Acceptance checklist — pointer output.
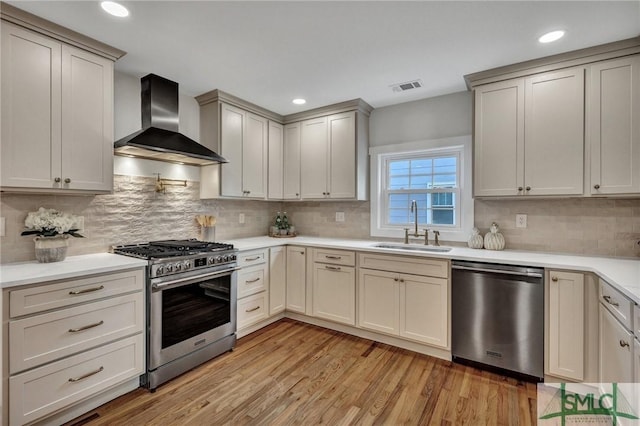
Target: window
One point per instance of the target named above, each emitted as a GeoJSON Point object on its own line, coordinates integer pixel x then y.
{"type": "Point", "coordinates": [430, 173]}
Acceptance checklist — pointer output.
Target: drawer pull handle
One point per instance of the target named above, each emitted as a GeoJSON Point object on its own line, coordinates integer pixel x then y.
{"type": "Point", "coordinates": [333, 268]}
{"type": "Point", "coordinates": [624, 344]}
{"type": "Point", "coordinates": [86, 290]}
{"type": "Point", "coordinates": [77, 379]}
{"type": "Point", "coordinates": [554, 279]}
{"type": "Point", "coordinates": [252, 309]}
{"type": "Point", "coordinates": [608, 300]}
{"type": "Point", "coordinates": [334, 257]}
{"type": "Point", "coordinates": [86, 327]}
{"type": "Point", "coordinates": [252, 281]}
{"type": "Point", "coordinates": [251, 259]}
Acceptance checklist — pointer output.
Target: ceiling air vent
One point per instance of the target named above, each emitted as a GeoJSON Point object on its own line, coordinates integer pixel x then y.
{"type": "Point", "coordinates": [401, 87]}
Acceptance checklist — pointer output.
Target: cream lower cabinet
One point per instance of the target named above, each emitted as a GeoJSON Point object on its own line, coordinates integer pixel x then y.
{"type": "Point", "coordinates": [334, 286]}
{"type": "Point", "coordinates": [395, 302]}
{"type": "Point", "coordinates": [253, 288]}
{"type": "Point", "coordinates": [57, 115]}
{"type": "Point", "coordinates": [277, 279]}
{"type": "Point", "coordinates": [565, 322]}
{"type": "Point", "coordinates": [616, 349]}
{"type": "Point", "coordinates": [296, 279]}
{"type": "Point", "coordinates": [71, 340]}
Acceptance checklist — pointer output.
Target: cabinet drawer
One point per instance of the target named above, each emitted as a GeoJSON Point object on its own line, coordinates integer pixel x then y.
{"type": "Point", "coordinates": [42, 391]}
{"type": "Point", "coordinates": [406, 265]}
{"type": "Point", "coordinates": [254, 257]}
{"type": "Point", "coordinates": [43, 338]}
{"type": "Point", "coordinates": [617, 303]}
{"type": "Point", "coordinates": [52, 296]}
{"type": "Point", "coordinates": [335, 257]}
{"type": "Point", "coordinates": [252, 280]}
{"type": "Point", "coordinates": [252, 309]}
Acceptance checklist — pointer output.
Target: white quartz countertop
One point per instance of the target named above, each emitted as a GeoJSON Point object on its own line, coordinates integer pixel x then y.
{"type": "Point", "coordinates": [623, 274]}
{"type": "Point", "coordinates": [32, 272]}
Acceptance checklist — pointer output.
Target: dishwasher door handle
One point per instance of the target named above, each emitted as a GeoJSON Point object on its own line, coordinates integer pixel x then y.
{"type": "Point", "coordinates": [497, 271]}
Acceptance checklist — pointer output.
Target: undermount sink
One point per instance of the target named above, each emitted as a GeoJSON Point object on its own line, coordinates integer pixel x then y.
{"type": "Point", "coordinates": [414, 247]}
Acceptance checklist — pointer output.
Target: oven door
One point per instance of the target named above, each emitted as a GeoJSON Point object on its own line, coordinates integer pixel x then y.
{"type": "Point", "coordinates": [189, 312]}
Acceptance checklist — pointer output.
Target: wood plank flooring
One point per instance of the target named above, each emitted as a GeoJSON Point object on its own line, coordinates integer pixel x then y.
{"type": "Point", "coordinates": [295, 373]}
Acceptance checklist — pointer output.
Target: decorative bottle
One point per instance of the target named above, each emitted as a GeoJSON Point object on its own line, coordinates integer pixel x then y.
{"type": "Point", "coordinates": [285, 221]}
{"type": "Point", "coordinates": [494, 240]}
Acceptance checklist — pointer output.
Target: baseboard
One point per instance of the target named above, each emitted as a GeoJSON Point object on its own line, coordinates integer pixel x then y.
{"type": "Point", "coordinates": [257, 326]}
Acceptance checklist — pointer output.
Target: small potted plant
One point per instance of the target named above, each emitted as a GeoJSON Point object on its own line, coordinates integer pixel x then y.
{"type": "Point", "coordinates": [52, 229]}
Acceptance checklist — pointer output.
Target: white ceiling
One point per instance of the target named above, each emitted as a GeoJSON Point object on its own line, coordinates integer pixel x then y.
{"type": "Point", "coordinates": [271, 52]}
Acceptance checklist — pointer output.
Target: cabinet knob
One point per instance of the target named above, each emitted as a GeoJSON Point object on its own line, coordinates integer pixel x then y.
{"type": "Point", "coordinates": [57, 180]}
{"type": "Point", "coordinates": [528, 188]}
{"type": "Point", "coordinates": [297, 194]}
{"type": "Point", "coordinates": [554, 279]}
{"type": "Point", "coordinates": [324, 193]}
{"type": "Point", "coordinates": [396, 279]}
{"type": "Point", "coordinates": [67, 180]}
{"type": "Point", "coordinates": [608, 300]}
{"type": "Point", "coordinates": [596, 186]}
{"type": "Point", "coordinates": [520, 188]}
{"type": "Point", "coordinates": [624, 344]}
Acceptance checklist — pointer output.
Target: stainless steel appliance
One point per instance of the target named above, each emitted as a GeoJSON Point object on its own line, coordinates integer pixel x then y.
{"type": "Point", "coordinates": [191, 304]}
{"type": "Point", "coordinates": [498, 317]}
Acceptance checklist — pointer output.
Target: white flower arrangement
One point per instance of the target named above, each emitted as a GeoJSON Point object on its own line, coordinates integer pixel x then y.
{"type": "Point", "coordinates": [49, 223]}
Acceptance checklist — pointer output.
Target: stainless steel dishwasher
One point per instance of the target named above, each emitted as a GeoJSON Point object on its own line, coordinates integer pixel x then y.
{"type": "Point", "coordinates": [498, 317]}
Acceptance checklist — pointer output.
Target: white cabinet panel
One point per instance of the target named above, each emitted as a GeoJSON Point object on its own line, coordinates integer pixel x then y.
{"type": "Point", "coordinates": [424, 309]}
{"type": "Point", "coordinates": [314, 157]}
{"type": "Point", "coordinates": [276, 157]}
{"type": "Point", "coordinates": [334, 293]}
{"type": "Point", "coordinates": [616, 350]}
{"type": "Point", "coordinates": [231, 137]}
{"type": "Point", "coordinates": [566, 325]}
{"type": "Point", "coordinates": [292, 160]}
{"type": "Point", "coordinates": [296, 279]}
{"type": "Point", "coordinates": [378, 301]}
{"type": "Point", "coordinates": [254, 157]}
{"type": "Point", "coordinates": [277, 279]}
{"type": "Point", "coordinates": [614, 126]}
{"type": "Point", "coordinates": [342, 155]}
{"type": "Point", "coordinates": [252, 309]}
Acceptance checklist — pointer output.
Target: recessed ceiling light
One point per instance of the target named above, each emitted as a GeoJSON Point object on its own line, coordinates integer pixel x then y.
{"type": "Point", "coordinates": [115, 9]}
{"type": "Point", "coordinates": [299, 101]}
{"type": "Point", "coordinates": [551, 36]}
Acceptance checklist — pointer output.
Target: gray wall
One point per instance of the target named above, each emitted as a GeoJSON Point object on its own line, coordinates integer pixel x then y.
{"type": "Point", "coordinates": [433, 118]}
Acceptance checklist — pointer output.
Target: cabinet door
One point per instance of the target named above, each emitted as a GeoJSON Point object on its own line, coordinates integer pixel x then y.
{"type": "Point", "coordinates": [292, 161]}
{"type": "Point", "coordinates": [499, 139]}
{"type": "Point", "coordinates": [275, 168]}
{"type": "Point", "coordinates": [296, 279]}
{"type": "Point", "coordinates": [379, 301]}
{"type": "Point", "coordinates": [31, 98]}
{"type": "Point", "coordinates": [342, 155]}
{"type": "Point", "coordinates": [424, 309]}
{"type": "Point", "coordinates": [616, 350]}
{"type": "Point", "coordinates": [566, 325]}
{"type": "Point", "coordinates": [231, 134]}
{"type": "Point", "coordinates": [636, 361]}
{"type": "Point", "coordinates": [87, 120]}
{"type": "Point", "coordinates": [254, 156]}
{"type": "Point", "coordinates": [614, 126]}
{"type": "Point", "coordinates": [554, 133]}
{"type": "Point", "coordinates": [314, 158]}
{"type": "Point", "coordinates": [277, 279]}
{"type": "Point", "coordinates": [334, 293]}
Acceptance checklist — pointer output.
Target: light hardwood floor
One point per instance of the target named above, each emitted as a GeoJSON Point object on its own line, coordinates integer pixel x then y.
{"type": "Point", "coordinates": [295, 373]}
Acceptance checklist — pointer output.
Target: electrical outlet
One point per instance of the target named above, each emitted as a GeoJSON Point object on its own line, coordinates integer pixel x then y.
{"type": "Point", "coordinates": [241, 218]}
{"type": "Point", "coordinates": [3, 230]}
{"type": "Point", "coordinates": [339, 216]}
{"type": "Point", "coordinates": [521, 221]}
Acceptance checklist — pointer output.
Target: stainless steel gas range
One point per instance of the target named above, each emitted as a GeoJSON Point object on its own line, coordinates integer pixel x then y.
{"type": "Point", "coordinates": [191, 304]}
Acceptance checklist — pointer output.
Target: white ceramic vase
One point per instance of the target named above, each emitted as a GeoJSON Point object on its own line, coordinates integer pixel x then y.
{"type": "Point", "coordinates": [494, 240]}
{"type": "Point", "coordinates": [51, 249]}
{"type": "Point", "coordinates": [475, 239]}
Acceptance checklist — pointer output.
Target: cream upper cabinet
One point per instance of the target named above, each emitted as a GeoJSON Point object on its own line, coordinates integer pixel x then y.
{"type": "Point", "coordinates": [276, 157]}
{"type": "Point", "coordinates": [243, 143]}
{"type": "Point", "coordinates": [529, 135]}
{"type": "Point", "coordinates": [328, 157]}
{"type": "Point", "coordinates": [614, 126]}
{"type": "Point", "coordinates": [57, 115]}
{"type": "Point", "coordinates": [499, 139]}
{"type": "Point", "coordinates": [291, 168]}
{"type": "Point", "coordinates": [566, 321]}
{"type": "Point", "coordinates": [296, 279]}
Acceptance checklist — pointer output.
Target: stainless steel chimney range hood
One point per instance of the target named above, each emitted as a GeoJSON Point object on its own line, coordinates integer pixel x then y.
{"type": "Point", "coordinates": [159, 138]}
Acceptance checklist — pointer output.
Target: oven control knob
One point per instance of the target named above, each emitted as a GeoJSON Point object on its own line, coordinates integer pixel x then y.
{"type": "Point", "coordinates": [168, 268]}
{"type": "Point", "coordinates": [218, 259]}
{"type": "Point", "coordinates": [225, 258]}
{"type": "Point", "coordinates": [160, 270]}
{"type": "Point", "coordinates": [211, 260]}
{"type": "Point", "coordinates": [187, 264]}
{"type": "Point", "coordinates": [232, 257]}
{"type": "Point", "coordinates": [178, 267]}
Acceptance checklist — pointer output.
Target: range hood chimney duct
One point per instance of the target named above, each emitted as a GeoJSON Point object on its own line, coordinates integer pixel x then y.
{"type": "Point", "coordinates": [159, 138]}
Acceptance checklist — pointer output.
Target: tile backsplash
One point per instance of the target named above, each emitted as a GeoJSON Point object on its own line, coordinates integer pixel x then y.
{"type": "Point", "coordinates": [136, 213]}
{"type": "Point", "coordinates": [133, 213]}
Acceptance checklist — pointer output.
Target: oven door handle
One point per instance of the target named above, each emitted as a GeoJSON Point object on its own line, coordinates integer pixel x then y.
{"type": "Point", "coordinates": [189, 280]}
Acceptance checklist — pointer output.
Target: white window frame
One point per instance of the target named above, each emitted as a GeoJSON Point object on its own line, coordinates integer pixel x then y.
{"type": "Point", "coordinates": [379, 156]}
